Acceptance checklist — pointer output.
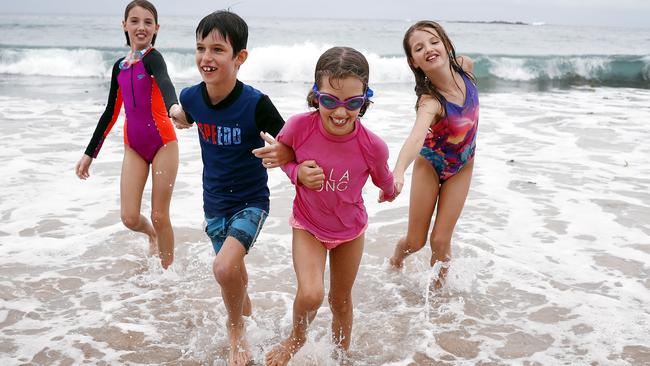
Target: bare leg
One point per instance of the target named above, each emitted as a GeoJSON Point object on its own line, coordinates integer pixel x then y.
{"type": "Point", "coordinates": [229, 269]}
{"type": "Point", "coordinates": [424, 193]}
{"type": "Point", "coordinates": [133, 178]}
{"type": "Point", "coordinates": [247, 307]}
{"type": "Point", "coordinates": [164, 169]}
{"type": "Point", "coordinates": [453, 194]}
{"type": "Point", "coordinates": [344, 265]}
{"type": "Point", "coordinates": [309, 257]}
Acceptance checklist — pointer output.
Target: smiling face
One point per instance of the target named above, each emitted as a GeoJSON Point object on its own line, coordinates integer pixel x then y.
{"type": "Point", "coordinates": [427, 51]}
{"type": "Point", "coordinates": [214, 58]}
{"type": "Point", "coordinates": [140, 25]}
{"type": "Point", "coordinates": [340, 121]}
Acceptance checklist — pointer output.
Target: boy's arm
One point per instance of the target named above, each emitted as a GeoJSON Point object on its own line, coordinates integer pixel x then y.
{"type": "Point", "coordinates": [181, 118]}
{"type": "Point", "coordinates": [270, 122]}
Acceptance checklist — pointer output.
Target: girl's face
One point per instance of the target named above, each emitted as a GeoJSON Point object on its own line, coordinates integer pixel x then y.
{"type": "Point", "coordinates": [428, 52]}
{"type": "Point", "coordinates": [340, 120]}
{"type": "Point", "coordinates": [141, 27]}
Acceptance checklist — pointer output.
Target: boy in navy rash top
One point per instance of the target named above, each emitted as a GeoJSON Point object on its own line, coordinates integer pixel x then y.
{"type": "Point", "coordinates": [231, 118]}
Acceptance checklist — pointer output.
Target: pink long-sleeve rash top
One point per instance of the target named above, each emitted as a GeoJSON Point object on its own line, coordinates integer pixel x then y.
{"type": "Point", "coordinates": [336, 210]}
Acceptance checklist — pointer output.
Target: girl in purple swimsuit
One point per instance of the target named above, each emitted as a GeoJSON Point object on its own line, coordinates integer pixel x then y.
{"type": "Point", "coordinates": [442, 143]}
{"type": "Point", "coordinates": [140, 82]}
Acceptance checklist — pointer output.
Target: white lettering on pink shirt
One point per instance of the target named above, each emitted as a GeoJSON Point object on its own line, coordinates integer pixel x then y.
{"type": "Point", "coordinates": [335, 185]}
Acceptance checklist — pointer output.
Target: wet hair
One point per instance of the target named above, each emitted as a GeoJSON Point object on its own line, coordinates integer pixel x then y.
{"type": "Point", "coordinates": [145, 5]}
{"type": "Point", "coordinates": [422, 83]}
{"type": "Point", "coordinates": [340, 63]}
{"type": "Point", "coordinates": [229, 25]}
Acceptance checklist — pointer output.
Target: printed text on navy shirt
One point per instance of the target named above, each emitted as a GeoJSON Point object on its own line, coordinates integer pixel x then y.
{"type": "Point", "coordinates": [219, 135]}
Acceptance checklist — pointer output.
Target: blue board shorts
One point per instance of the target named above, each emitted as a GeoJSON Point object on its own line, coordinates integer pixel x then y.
{"type": "Point", "coordinates": [244, 226]}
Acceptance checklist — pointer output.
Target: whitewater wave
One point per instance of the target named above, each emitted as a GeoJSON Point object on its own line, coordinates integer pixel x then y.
{"type": "Point", "coordinates": [295, 63]}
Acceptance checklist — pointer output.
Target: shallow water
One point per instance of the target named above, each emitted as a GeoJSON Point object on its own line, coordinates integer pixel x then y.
{"type": "Point", "coordinates": [550, 256]}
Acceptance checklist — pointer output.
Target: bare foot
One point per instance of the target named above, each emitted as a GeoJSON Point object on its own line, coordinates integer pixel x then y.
{"type": "Point", "coordinates": [400, 253]}
{"type": "Point", "coordinates": [442, 274]}
{"type": "Point", "coordinates": [341, 356]}
{"type": "Point", "coordinates": [247, 308]}
{"type": "Point", "coordinates": [166, 254]}
{"type": "Point", "coordinates": [282, 353]}
{"type": "Point", "coordinates": [240, 351]}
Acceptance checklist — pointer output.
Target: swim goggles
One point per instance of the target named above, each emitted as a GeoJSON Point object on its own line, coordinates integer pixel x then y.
{"type": "Point", "coordinates": [331, 102]}
{"type": "Point", "coordinates": [133, 57]}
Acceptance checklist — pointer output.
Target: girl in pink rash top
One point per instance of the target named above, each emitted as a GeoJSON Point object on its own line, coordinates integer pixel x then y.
{"type": "Point", "coordinates": [335, 154]}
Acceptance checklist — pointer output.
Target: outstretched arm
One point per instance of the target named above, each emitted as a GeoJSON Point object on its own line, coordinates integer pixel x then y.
{"type": "Point", "coordinates": [429, 110]}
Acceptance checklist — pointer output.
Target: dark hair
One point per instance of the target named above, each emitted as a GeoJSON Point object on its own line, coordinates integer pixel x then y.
{"type": "Point", "coordinates": [340, 63]}
{"type": "Point", "coordinates": [422, 83]}
{"type": "Point", "coordinates": [229, 25]}
{"type": "Point", "coordinates": [143, 4]}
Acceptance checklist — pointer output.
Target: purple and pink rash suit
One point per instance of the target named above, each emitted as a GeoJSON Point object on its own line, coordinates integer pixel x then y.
{"type": "Point", "coordinates": [335, 213]}
{"type": "Point", "coordinates": [148, 94]}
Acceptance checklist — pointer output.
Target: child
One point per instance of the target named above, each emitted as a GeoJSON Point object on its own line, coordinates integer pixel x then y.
{"type": "Point", "coordinates": [442, 142]}
{"type": "Point", "coordinates": [328, 211]}
{"type": "Point", "coordinates": [141, 80]}
{"type": "Point", "coordinates": [231, 118]}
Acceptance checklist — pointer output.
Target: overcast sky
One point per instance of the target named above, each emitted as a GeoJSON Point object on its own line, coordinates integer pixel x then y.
{"type": "Point", "coordinates": [634, 13]}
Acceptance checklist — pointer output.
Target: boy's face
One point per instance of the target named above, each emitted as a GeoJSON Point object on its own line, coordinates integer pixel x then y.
{"type": "Point", "coordinates": [215, 59]}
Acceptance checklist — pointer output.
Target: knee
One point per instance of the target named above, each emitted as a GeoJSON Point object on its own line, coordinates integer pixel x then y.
{"type": "Point", "coordinates": [412, 244]}
{"type": "Point", "coordinates": [440, 243]}
{"type": "Point", "coordinates": [340, 304]}
{"type": "Point", "coordinates": [159, 219]}
{"type": "Point", "coordinates": [311, 299]}
{"type": "Point", "coordinates": [226, 273]}
{"type": "Point", "coordinates": [131, 220]}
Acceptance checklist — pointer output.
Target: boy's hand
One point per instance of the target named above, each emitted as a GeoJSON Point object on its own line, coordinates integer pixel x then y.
{"type": "Point", "coordinates": [177, 114]}
{"type": "Point", "coordinates": [274, 154]}
{"type": "Point", "coordinates": [311, 175]}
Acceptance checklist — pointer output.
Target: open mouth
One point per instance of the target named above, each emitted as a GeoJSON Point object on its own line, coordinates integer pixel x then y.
{"type": "Point", "coordinates": [432, 57]}
{"type": "Point", "coordinates": [339, 122]}
{"type": "Point", "coordinates": [208, 68]}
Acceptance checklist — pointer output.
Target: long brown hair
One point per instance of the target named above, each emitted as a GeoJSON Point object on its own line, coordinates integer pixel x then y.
{"type": "Point", "coordinates": [143, 4]}
{"type": "Point", "coordinates": [422, 83]}
{"type": "Point", "coordinates": [340, 63]}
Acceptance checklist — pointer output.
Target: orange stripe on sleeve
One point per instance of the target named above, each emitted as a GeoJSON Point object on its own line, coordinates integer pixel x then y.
{"type": "Point", "coordinates": [160, 116]}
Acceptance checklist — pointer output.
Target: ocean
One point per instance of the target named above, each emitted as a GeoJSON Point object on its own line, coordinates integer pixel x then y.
{"type": "Point", "coordinates": [551, 256]}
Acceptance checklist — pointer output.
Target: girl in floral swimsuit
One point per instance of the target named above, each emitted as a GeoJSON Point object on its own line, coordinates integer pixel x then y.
{"type": "Point", "coordinates": [442, 143]}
